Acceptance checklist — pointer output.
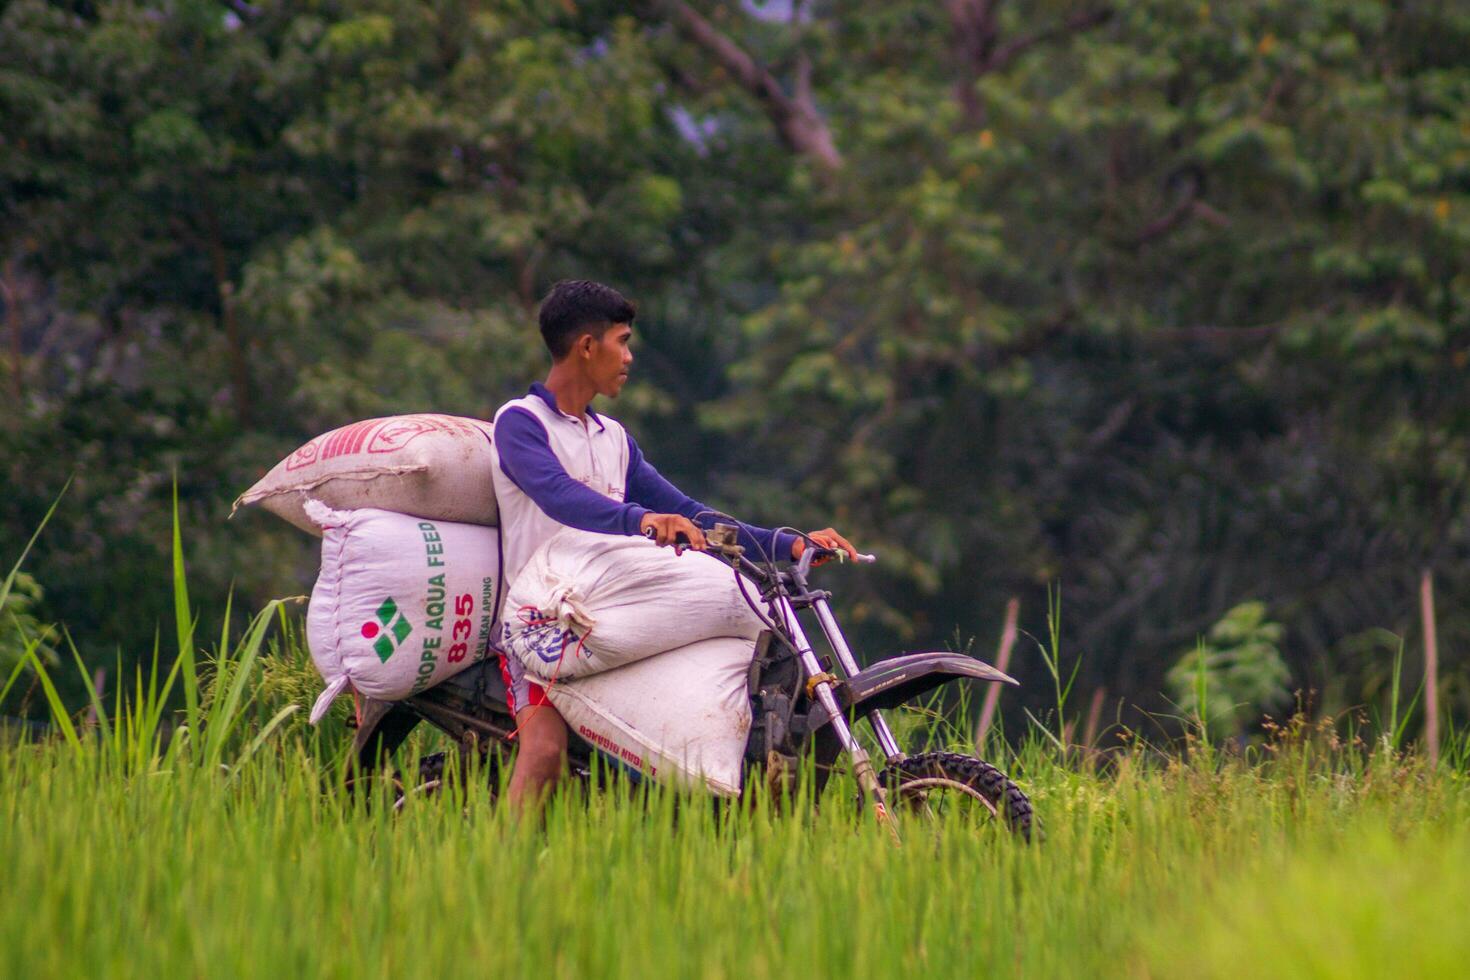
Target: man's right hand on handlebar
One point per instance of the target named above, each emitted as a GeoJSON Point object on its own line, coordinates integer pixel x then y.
{"type": "Point", "coordinates": [827, 539]}
{"type": "Point", "coordinates": [667, 529]}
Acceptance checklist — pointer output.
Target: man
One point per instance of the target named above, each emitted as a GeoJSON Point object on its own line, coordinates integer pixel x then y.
{"type": "Point", "coordinates": [559, 463]}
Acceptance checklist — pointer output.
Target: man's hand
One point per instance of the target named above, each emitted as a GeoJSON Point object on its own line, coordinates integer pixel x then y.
{"type": "Point", "coordinates": [666, 529]}
{"type": "Point", "coordinates": [828, 539]}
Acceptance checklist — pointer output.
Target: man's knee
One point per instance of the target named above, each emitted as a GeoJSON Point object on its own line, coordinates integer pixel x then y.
{"type": "Point", "coordinates": [542, 759]}
{"type": "Point", "coordinates": [542, 743]}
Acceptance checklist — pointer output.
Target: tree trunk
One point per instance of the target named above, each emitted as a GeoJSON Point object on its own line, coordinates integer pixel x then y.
{"type": "Point", "coordinates": [235, 342]}
{"type": "Point", "coordinates": [1094, 718]}
{"type": "Point", "coordinates": [1431, 666]}
{"type": "Point", "coordinates": [1002, 661]}
{"type": "Point", "coordinates": [794, 115]}
{"type": "Point", "coordinates": [10, 287]}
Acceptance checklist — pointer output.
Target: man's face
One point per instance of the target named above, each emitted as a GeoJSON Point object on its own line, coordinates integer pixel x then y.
{"type": "Point", "coordinates": [610, 359]}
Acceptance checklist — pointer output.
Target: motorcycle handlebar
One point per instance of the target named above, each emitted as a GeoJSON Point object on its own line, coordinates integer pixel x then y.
{"type": "Point", "coordinates": [812, 552]}
{"type": "Point", "coordinates": [679, 538]}
{"type": "Point", "coordinates": [808, 554]}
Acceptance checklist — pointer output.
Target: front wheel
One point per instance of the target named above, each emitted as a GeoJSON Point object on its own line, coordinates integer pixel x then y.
{"type": "Point", "coordinates": [936, 784]}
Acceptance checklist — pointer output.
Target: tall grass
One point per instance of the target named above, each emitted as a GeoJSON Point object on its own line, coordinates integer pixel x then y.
{"type": "Point", "coordinates": [132, 735]}
{"type": "Point", "coordinates": [187, 832]}
{"type": "Point", "coordinates": [1158, 868]}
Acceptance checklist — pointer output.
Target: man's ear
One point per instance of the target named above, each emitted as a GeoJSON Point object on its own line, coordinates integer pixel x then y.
{"type": "Point", "coordinates": [584, 344]}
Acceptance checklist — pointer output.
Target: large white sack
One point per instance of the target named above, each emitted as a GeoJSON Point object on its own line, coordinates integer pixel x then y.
{"type": "Point", "coordinates": [433, 466]}
{"type": "Point", "coordinates": [586, 603]}
{"type": "Point", "coordinates": [681, 716]}
{"type": "Point", "coordinates": [400, 604]}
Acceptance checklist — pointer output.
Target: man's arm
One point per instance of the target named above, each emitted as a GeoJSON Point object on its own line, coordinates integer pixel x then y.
{"type": "Point", "coordinates": [646, 486]}
{"type": "Point", "coordinates": [526, 457]}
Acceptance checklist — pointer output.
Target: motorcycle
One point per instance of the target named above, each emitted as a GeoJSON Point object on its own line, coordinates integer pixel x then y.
{"type": "Point", "coordinates": [802, 705]}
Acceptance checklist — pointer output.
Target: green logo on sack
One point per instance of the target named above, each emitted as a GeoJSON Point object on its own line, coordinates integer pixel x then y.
{"type": "Point", "coordinates": [389, 637]}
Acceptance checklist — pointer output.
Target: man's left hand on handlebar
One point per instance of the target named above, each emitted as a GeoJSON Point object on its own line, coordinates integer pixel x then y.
{"type": "Point", "coordinates": [672, 530]}
{"type": "Point", "coordinates": [828, 539]}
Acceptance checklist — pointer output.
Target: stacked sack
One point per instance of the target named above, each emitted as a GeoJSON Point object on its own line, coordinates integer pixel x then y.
{"type": "Point", "coordinates": [410, 586]}
{"type": "Point", "coordinates": [643, 652]}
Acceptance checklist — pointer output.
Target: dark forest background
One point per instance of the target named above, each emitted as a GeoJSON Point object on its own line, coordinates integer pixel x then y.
{"type": "Point", "coordinates": [1166, 303]}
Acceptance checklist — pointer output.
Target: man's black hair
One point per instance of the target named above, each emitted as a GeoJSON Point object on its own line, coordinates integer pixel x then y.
{"type": "Point", "coordinates": [578, 306]}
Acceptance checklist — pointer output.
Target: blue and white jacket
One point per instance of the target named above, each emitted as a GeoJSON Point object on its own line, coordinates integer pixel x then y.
{"type": "Point", "coordinates": [553, 470]}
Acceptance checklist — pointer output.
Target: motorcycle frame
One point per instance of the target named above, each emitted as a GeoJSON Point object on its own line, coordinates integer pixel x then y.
{"type": "Point", "coordinates": [473, 709]}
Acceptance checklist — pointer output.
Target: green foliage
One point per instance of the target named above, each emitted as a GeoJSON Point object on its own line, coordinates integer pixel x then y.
{"type": "Point", "coordinates": [1234, 674]}
{"type": "Point", "coordinates": [20, 630]}
{"type": "Point", "coordinates": [1171, 306]}
{"type": "Point", "coordinates": [24, 643]}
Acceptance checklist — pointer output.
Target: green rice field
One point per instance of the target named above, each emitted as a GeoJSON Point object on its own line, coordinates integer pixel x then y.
{"type": "Point", "coordinates": [210, 839]}
{"type": "Point", "coordinates": [1302, 864]}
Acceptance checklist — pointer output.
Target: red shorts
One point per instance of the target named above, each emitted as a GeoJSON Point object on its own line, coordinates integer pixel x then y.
{"type": "Point", "coordinates": [520, 691]}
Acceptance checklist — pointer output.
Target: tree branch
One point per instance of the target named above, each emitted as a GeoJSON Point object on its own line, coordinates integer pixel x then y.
{"type": "Point", "coordinates": [235, 341]}
{"type": "Point", "coordinates": [978, 50]}
{"type": "Point", "coordinates": [975, 34]}
{"type": "Point", "coordinates": [10, 292]}
{"type": "Point", "coordinates": [1189, 205]}
{"type": "Point", "coordinates": [1171, 218]}
{"type": "Point", "coordinates": [795, 117]}
{"type": "Point", "coordinates": [1078, 22]}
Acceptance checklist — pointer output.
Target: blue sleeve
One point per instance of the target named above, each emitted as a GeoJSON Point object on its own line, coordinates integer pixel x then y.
{"type": "Point", "coordinates": [526, 457]}
{"type": "Point", "coordinates": [646, 486]}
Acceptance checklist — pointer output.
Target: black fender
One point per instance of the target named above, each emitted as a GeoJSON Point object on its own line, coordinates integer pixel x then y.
{"type": "Point", "coordinates": [894, 681]}
{"type": "Point", "coordinates": [382, 726]}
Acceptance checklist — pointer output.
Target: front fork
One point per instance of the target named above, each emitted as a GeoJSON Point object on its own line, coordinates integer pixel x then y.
{"type": "Point", "coordinates": [819, 684]}
{"type": "Point", "coordinates": [891, 752]}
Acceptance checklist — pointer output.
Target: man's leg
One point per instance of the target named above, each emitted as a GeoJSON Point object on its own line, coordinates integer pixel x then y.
{"type": "Point", "coordinates": [540, 758]}
{"type": "Point", "coordinates": [541, 739]}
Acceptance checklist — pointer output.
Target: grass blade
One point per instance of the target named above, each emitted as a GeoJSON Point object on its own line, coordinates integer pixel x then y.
{"type": "Point", "coordinates": [58, 710]}
{"type": "Point", "coordinates": [184, 621]}
{"type": "Point", "coordinates": [265, 733]}
{"type": "Point", "coordinates": [1050, 736]}
{"type": "Point", "coordinates": [97, 706]}
{"type": "Point", "coordinates": [224, 633]}
{"type": "Point", "coordinates": [14, 676]}
{"type": "Point", "coordinates": [224, 715]}
{"type": "Point", "coordinates": [15, 569]}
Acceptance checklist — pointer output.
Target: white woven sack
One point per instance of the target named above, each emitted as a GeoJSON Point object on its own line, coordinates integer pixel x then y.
{"type": "Point", "coordinates": [682, 716]}
{"type": "Point", "coordinates": [586, 603]}
{"type": "Point", "coordinates": [400, 604]}
{"type": "Point", "coordinates": [433, 466]}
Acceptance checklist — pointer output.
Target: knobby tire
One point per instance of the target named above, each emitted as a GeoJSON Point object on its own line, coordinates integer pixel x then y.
{"type": "Point", "coordinates": [1010, 803]}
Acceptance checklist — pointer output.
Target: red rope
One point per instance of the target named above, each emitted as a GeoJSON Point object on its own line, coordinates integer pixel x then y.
{"type": "Point", "coordinates": [531, 616]}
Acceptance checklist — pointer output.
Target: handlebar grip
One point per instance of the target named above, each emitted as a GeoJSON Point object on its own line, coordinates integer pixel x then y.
{"type": "Point", "coordinates": [679, 539]}
{"type": "Point", "coordinates": [819, 552]}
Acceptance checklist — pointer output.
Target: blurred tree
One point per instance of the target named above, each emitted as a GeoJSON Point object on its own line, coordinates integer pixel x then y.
{"type": "Point", "coordinates": [1167, 302]}
{"type": "Point", "coordinates": [1166, 305]}
{"type": "Point", "coordinates": [271, 219]}
{"type": "Point", "coordinates": [1234, 674]}
{"type": "Point", "coordinates": [20, 630]}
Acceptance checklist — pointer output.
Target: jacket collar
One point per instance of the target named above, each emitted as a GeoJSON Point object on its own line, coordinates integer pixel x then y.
{"type": "Point", "coordinates": [544, 393]}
